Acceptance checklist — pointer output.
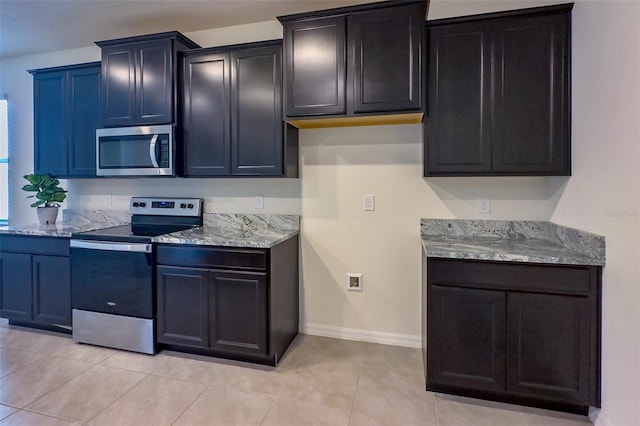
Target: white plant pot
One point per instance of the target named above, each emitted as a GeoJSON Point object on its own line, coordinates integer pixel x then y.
{"type": "Point", "coordinates": [47, 215]}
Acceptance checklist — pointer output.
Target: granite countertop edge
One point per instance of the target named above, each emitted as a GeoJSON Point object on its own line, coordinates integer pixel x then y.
{"type": "Point", "coordinates": [454, 251]}
{"type": "Point", "coordinates": [511, 241]}
{"type": "Point", "coordinates": [209, 237]}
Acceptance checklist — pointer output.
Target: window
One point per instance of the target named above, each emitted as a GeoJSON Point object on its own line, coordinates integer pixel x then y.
{"type": "Point", "coordinates": [4, 162]}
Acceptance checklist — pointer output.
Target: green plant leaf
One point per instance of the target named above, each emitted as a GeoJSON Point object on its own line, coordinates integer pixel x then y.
{"type": "Point", "coordinates": [33, 179]}
{"type": "Point", "coordinates": [30, 188]}
{"type": "Point", "coordinates": [37, 203]}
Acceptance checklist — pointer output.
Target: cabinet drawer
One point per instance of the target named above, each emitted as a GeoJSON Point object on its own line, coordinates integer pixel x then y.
{"type": "Point", "coordinates": [57, 246]}
{"type": "Point", "coordinates": [512, 276]}
{"type": "Point", "coordinates": [212, 257]}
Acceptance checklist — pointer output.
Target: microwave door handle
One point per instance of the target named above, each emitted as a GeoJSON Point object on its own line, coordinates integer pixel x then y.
{"type": "Point", "coordinates": [152, 151]}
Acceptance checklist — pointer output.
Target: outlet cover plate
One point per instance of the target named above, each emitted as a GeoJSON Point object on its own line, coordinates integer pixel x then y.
{"type": "Point", "coordinates": [484, 206]}
{"type": "Point", "coordinates": [354, 281]}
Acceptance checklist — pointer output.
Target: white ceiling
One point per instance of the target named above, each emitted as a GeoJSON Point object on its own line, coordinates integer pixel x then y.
{"type": "Point", "coordinates": [36, 26]}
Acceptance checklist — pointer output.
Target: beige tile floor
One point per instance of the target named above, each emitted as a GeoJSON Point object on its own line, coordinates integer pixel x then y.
{"type": "Point", "coordinates": [47, 379]}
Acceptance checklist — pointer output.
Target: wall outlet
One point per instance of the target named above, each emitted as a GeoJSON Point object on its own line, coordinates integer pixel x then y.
{"type": "Point", "coordinates": [369, 203]}
{"type": "Point", "coordinates": [258, 201]}
{"type": "Point", "coordinates": [484, 206]}
{"type": "Point", "coordinates": [354, 281]}
{"type": "Point", "coordinates": [108, 199]}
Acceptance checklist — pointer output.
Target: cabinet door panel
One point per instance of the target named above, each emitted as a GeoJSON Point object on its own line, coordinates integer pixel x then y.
{"type": "Point", "coordinates": [466, 338]}
{"type": "Point", "coordinates": [256, 122]}
{"type": "Point", "coordinates": [315, 68]}
{"type": "Point", "coordinates": [118, 86]}
{"type": "Point", "coordinates": [207, 138]}
{"type": "Point", "coordinates": [549, 346]}
{"type": "Point", "coordinates": [385, 49]}
{"type": "Point", "coordinates": [84, 112]}
{"type": "Point", "coordinates": [52, 290]}
{"type": "Point", "coordinates": [458, 126]}
{"type": "Point", "coordinates": [183, 313]}
{"type": "Point", "coordinates": [15, 286]}
{"type": "Point", "coordinates": [531, 126]}
{"type": "Point", "coordinates": [238, 316]}
{"type": "Point", "coordinates": [154, 82]}
{"type": "Point", "coordinates": [50, 115]}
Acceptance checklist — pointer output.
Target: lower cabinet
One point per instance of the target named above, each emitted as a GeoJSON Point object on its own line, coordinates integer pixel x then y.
{"type": "Point", "coordinates": [35, 280]}
{"type": "Point", "coordinates": [234, 303]}
{"type": "Point", "coordinates": [511, 332]}
{"type": "Point", "coordinates": [212, 308]}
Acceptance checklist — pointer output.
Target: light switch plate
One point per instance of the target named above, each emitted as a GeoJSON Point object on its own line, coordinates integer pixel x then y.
{"type": "Point", "coordinates": [369, 203]}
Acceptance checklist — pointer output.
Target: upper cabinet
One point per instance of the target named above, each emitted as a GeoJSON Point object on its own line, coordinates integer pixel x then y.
{"type": "Point", "coordinates": [140, 79]}
{"type": "Point", "coordinates": [66, 112]}
{"type": "Point", "coordinates": [354, 62]}
{"type": "Point", "coordinates": [499, 94]}
{"type": "Point", "coordinates": [232, 113]}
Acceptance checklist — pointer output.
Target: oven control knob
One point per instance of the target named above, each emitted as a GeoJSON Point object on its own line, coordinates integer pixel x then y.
{"type": "Point", "coordinates": [143, 204]}
{"type": "Point", "coordinates": [190, 206]}
{"type": "Point", "coordinates": [183, 206]}
{"type": "Point", "coordinates": [135, 204]}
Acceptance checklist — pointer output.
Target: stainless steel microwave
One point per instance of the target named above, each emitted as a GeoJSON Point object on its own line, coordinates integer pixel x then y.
{"type": "Point", "coordinates": [135, 151]}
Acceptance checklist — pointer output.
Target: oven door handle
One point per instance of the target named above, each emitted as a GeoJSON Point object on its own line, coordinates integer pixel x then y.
{"type": "Point", "coordinates": [103, 245]}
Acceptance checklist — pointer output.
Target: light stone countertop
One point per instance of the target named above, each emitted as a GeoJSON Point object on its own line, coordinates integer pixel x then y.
{"type": "Point", "coordinates": [237, 230]}
{"type": "Point", "coordinates": [219, 229]}
{"type": "Point", "coordinates": [511, 241]}
{"type": "Point", "coordinates": [216, 236]}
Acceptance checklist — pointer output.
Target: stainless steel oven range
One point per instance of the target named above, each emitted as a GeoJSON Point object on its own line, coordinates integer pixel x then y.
{"type": "Point", "coordinates": [112, 274]}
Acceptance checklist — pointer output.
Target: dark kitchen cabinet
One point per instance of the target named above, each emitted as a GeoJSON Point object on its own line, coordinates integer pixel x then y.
{"type": "Point", "coordinates": [232, 111]}
{"type": "Point", "coordinates": [237, 303]}
{"type": "Point", "coordinates": [315, 85]}
{"type": "Point", "coordinates": [469, 345]}
{"type": "Point", "coordinates": [520, 333]}
{"type": "Point", "coordinates": [66, 116]}
{"type": "Point", "coordinates": [354, 61]}
{"type": "Point", "coordinates": [499, 94]}
{"type": "Point", "coordinates": [35, 285]}
{"type": "Point", "coordinates": [183, 306]}
{"type": "Point", "coordinates": [16, 285]}
{"type": "Point", "coordinates": [140, 75]}
{"type": "Point", "coordinates": [238, 307]}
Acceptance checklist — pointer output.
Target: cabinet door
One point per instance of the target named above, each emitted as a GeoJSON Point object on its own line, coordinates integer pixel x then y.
{"type": "Point", "coordinates": [549, 347]}
{"type": "Point", "coordinates": [118, 96]}
{"type": "Point", "coordinates": [207, 119]}
{"type": "Point", "coordinates": [183, 313]}
{"type": "Point", "coordinates": [154, 82]}
{"type": "Point", "coordinates": [458, 126]}
{"type": "Point", "coordinates": [385, 53]}
{"type": "Point", "coordinates": [51, 290]}
{"type": "Point", "coordinates": [84, 119]}
{"type": "Point", "coordinates": [256, 119]}
{"type": "Point", "coordinates": [50, 123]}
{"type": "Point", "coordinates": [15, 286]}
{"type": "Point", "coordinates": [238, 312]}
{"type": "Point", "coordinates": [466, 338]}
{"type": "Point", "coordinates": [315, 71]}
{"type": "Point", "coordinates": [531, 124]}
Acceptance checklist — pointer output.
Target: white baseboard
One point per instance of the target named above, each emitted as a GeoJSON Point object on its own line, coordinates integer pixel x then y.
{"type": "Point", "coordinates": [395, 339]}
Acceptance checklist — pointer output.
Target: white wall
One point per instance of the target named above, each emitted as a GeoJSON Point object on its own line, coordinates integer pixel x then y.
{"type": "Point", "coordinates": [603, 195]}
{"type": "Point", "coordinates": [338, 166]}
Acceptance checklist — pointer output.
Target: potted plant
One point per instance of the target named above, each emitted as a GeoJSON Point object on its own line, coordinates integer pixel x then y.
{"type": "Point", "coordinates": [49, 195]}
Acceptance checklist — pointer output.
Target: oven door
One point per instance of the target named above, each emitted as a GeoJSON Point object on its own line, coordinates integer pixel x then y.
{"type": "Point", "coordinates": [135, 151]}
{"type": "Point", "coordinates": [112, 278]}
